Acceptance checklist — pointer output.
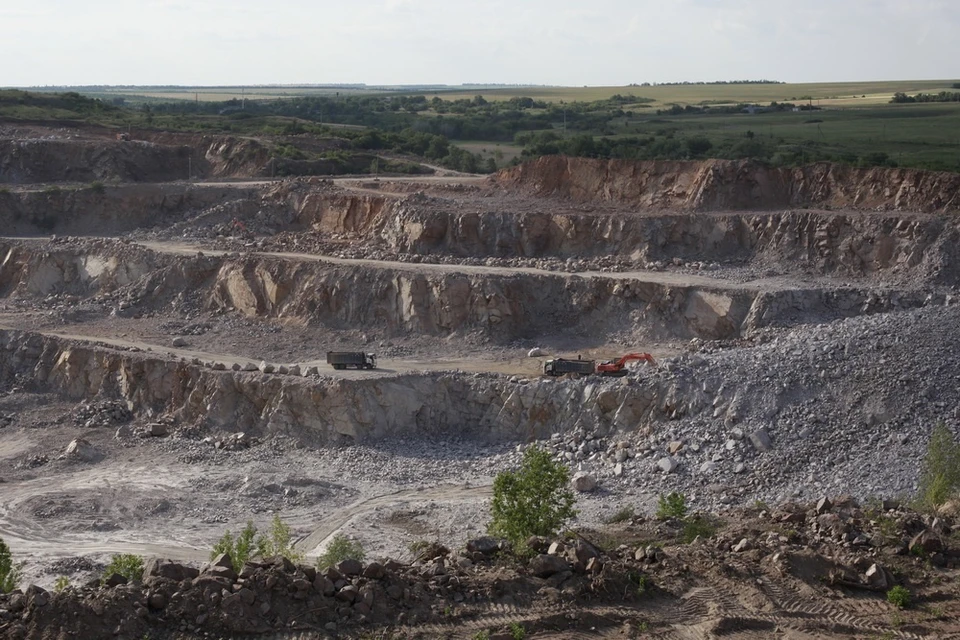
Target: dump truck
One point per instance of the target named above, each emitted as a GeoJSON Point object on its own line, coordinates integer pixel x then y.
{"type": "Point", "coordinates": [561, 366]}
{"type": "Point", "coordinates": [355, 359]}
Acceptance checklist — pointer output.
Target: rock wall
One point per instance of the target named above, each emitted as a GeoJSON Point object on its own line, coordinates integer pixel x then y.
{"type": "Point", "coordinates": [324, 410]}
{"type": "Point", "coordinates": [851, 243]}
{"type": "Point", "coordinates": [30, 161]}
{"type": "Point", "coordinates": [400, 301]}
{"type": "Point", "coordinates": [112, 209]}
{"type": "Point", "coordinates": [723, 185]}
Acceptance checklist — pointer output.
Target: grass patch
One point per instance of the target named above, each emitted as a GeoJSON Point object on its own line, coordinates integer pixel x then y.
{"type": "Point", "coordinates": [672, 505]}
{"type": "Point", "coordinates": [128, 565]}
{"type": "Point", "coordinates": [625, 514]}
{"type": "Point", "coordinates": [695, 526]}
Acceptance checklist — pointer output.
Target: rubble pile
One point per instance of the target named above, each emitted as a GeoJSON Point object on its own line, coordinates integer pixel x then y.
{"type": "Point", "coordinates": [834, 543]}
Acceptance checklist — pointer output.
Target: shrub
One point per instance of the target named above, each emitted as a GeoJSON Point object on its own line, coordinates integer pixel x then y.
{"type": "Point", "coordinates": [10, 573]}
{"type": "Point", "coordinates": [625, 514]}
{"type": "Point", "coordinates": [535, 500]}
{"type": "Point", "coordinates": [899, 596]}
{"type": "Point", "coordinates": [517, 632]}
{"type": "Point", "coordinates": [62, 583]}
{"type": "Point", "coordinates": [417, 547]}
{"type": "Point", "coordinates": [672, 505]}
{"type": "Point", "coordinates": [242, 548]}
{"type": "Point", "coordinates": [940, 476]}
{"type": "Point", "coordinates": [97, 187]}
{"type": "Point", "coordinates": [128, 565]}
{"type": "Point", "coordinates": [641, 582]}
{"type": "Point", "coordinates": [248, 545]}
{"type": "Point", "coordinates": [697, 526]}
{"type": "Point", "coordinates": [279, 542]}
{"type": "Point", "coordinates": [340, 548]}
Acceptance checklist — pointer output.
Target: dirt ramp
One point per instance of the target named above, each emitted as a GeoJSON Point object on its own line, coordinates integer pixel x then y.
{"type": "Point", "coordinates": [717, 185]}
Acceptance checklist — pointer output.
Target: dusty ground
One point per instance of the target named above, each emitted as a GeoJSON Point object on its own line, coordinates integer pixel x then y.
{"type": "Point", "coordinates": [299, 268]}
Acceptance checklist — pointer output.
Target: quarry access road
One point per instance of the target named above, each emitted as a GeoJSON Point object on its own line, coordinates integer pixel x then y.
{"type": "Point", "coordinates": [668, 278]}
{"type": "Point", "coordinates": [385, 366]}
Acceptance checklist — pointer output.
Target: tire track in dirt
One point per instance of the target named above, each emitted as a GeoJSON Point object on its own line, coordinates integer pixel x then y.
{"type": "Point", "coordinates": [313, 543]}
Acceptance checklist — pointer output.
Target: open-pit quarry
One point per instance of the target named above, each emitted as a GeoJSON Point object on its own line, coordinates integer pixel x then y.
{"type": "Point", "coordinates": [163, 379]}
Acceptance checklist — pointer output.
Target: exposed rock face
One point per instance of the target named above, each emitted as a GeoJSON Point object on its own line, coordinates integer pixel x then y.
{"type": "Point", "coordinates": [324, 410]}
{"type": "Point", "coordinates": [23, 161]}
{"type": "Point", "coordinates": [440, 303]}
{"type": "Point", "coordinates": [117, 209]}
{"type": "Point", "coordinates": [150, 157]}
{"type": "Point", "coordinates": [433, 301]}
{"type": "Point", "coordinates": [847, 241]}
{"type": "Point", "coordinates": [724, 185]}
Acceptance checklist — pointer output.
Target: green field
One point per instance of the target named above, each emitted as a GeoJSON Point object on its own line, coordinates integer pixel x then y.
{"type": "Point", "coordinates": [911, 135]}
{"type": "Point", "coordinates": [809, 123]}
{"type": "Point", "coordinates": [829, 94]}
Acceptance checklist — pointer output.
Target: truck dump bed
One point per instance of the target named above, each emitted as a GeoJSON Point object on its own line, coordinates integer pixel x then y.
{"type": "Point", "coordinates": [358, 359]}
{"type": "Point", "coordinates": [561, 366]}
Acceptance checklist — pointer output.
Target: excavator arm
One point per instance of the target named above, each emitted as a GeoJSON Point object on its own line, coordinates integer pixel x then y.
{"type": "Point", "coordinates": [618, 367]}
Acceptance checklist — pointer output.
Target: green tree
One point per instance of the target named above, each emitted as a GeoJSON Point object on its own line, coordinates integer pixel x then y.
{"type": "Point", "coordinates": [535, 500]}
{"type": "Point", "coordinates": [242, 548]}
{"type": "Point", "coordinates": [280, 541]}
{"type": "Point", "coordinates": [10, 573]}
{"type": "Point", "coordinates": [940, 475]}
{"type": "Point", "coordinates": [699, 145]}
{"type": "Point", "coordinates": [248, 545]}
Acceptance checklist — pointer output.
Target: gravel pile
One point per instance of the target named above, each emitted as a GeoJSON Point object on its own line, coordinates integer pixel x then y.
{"type": "Point", "coordinates": [841, 408]}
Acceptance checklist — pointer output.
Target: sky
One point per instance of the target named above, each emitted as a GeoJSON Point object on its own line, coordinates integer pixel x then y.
{"type": "Point", "coordinates": [549, 42]}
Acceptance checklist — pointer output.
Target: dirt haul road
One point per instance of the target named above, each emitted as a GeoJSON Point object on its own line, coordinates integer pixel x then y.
{"type": "Point", "coordinates": [385, 366]}
{"type": "Point", "coordinates": [653, 277]}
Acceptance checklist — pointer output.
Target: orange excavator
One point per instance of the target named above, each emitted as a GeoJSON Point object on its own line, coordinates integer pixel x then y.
{"type": "Point", "coordinates": [618, 367]}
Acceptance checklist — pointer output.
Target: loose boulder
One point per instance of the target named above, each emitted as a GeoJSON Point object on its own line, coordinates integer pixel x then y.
{"type": "Point", "coordinates": [584, 482]}
{"type": "Point", "coordinates": [82, 450]}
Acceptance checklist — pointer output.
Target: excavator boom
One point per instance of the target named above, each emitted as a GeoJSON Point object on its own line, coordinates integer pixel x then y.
{"type": "Point", "coordinates": [618, 367]}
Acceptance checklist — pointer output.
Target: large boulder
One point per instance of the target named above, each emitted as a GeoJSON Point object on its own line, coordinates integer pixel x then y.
{"type": "Point", "coordinates": [761, 441]}
{"type": "Point", "coordinates": [584, 482]}
{"type": "Point", "coordinates": [926, 542]}
{"type": "Point", "coordinates": [350, 567]}
{"type": "Point", "coordinates": [485, 545]}
{"type": "Point", "coordinates": [80, 449]}
{"type": "Point", "coordinates": [544, 566]}
{"type": "Point", "coordinates": [668, 464]}
{"type": "Point", "coordinates": [167, 569]}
